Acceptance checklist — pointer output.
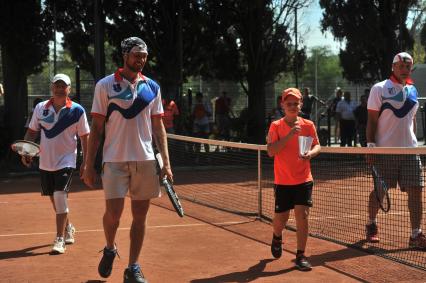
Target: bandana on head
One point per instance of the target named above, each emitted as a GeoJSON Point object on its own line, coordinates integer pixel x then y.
{"type": "Point", "coordinates": [129, 43]}
{"type": "Point", "coordinates": [403, 57]}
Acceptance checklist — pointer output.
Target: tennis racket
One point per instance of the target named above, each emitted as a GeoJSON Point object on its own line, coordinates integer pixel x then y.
{"type": "Point", "coordinates": [381, 191]}
{"type": "Point", "coordinates": [168, 186]}
{"type": "Point", "coordinates": [26, 148]}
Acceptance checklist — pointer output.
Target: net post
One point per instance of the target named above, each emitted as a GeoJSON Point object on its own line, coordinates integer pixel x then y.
{"type": "Point", "coordinates": [259, 184]}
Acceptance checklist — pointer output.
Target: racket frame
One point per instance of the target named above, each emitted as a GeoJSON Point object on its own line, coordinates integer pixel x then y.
{"type": "Point", "coordinates": [13, 147]}
{"type": "Point", "coordinates": [376, 180]}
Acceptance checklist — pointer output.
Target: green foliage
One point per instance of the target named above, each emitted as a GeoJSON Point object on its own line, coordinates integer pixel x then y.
{"type": "Point", "coordinates": [75, 19]}
{"type": "Point", "coordinates": [423, 42]}
{"type": "Point", "coordinates": [328, 70]}
{"type": "Point", "coordinates": [374, 32]}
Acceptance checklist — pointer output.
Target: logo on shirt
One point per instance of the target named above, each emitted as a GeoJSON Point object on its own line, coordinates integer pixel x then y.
{"type": "Point", "coordinates": [391, 91]}
{"type": "Point", "coordinates": [45, 112]}
{"type": "Point", "coordinates": [116, 87]}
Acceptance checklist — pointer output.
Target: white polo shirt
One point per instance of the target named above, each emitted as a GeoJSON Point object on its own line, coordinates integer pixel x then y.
{"type": "Point", "coordinates": [128, 108]}
{"type": "Point", "coordinates": [397, 106]}
{"type": "Point", "coordinates": [58, 138]}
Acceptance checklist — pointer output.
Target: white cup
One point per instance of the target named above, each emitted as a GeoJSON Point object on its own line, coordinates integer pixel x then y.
{"type": "Point", "coordinates": [305, 144]}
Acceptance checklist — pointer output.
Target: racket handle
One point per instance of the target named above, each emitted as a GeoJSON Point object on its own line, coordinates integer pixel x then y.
{"type": "Point", "coordinates": [160, 160]}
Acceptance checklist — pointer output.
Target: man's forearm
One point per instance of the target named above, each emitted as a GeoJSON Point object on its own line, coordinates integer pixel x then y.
{"type": "Point", "coordinates": [161, 140]}
{"type": "Point", "coordinates": [31, 135]}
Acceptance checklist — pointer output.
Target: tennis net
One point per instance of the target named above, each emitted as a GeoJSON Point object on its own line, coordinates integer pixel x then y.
{"type": "Point", "coordinates": [238, 177]}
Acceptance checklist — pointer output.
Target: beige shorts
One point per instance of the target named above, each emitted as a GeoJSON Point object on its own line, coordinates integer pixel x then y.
{"type": "Point", "coordinates": [138, 178]}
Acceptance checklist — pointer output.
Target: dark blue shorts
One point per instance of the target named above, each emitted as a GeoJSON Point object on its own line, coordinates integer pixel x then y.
{"type": "Point", "coordinates": [287, 196]}
{"type": "Point", "coordinates": [52, 181]}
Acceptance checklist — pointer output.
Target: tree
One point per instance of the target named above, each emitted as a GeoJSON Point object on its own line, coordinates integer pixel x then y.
{"type": "Point", "coordinates": [75, 19]}
{"type": "Point", "coordinates": [328, 69]}
{"type": "Point", "coordinates": [374, 32]}
{"type": "Point", "coordinates": [24, 40]}
{"type": "Point", "coordinates": [253, 46]}
{"type": "Point", "coordinates": [171, 30]}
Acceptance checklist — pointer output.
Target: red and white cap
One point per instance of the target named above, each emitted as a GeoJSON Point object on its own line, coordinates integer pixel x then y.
{"type": "Point", "coordinates": [403, 57]}
{"type": "Point", "coordinates": [291, 92]}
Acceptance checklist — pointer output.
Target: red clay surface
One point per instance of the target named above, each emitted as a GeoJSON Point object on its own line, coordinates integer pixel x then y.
{"type": "Point", "coordinates": [206, 245]}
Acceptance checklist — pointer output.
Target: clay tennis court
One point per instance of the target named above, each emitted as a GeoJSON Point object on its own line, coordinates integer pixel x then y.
{"type": "Point", "coordinates": [207, 245]}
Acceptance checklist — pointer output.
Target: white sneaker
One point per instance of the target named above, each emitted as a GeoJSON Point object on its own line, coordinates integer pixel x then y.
{"type": "Point", "coordinates": [58, 246]}
{"type": "Point", "coordinates": [69, 234]}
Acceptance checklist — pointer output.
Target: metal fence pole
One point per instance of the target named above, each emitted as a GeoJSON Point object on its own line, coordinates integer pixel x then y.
{"type": "Point", "coordinates": [259, 182]}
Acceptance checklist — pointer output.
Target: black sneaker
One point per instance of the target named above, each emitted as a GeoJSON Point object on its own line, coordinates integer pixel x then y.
{"type": "Point", "coordinates": [276, 247]}
{"type": "Point", "coordinates": [134, 275]}
{"type": "Point", "coordinates": [105, 265]}
{"type": "Point", "coordinates": [302, 263]}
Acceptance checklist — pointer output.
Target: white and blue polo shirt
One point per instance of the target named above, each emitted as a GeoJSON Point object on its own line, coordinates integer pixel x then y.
{"type": "Point", "coordinates": [59, 130]}
{"type": "Point", "coordinates": [397, 105]}
{"type": "Point", "coordinates": [128, 108]}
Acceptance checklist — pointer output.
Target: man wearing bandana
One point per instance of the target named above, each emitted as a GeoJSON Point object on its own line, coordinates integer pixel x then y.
{"type": "Point", "coordinates": [127, 108]}
{"type": "Point", "coordinates": [392, 107]}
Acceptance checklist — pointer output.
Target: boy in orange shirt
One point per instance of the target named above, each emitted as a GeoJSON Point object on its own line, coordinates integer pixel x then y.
{"type": "Point", "coordinates": [293, 179]}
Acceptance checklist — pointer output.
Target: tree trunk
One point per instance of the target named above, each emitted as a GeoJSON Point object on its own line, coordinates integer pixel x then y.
{"type": "Point", "coordinates": [256, 111]}
{"type": "Point", "coordinates": [16, 95]}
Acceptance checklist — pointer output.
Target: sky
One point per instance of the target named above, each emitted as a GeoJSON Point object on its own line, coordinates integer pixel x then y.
{"type": "Point", "coordinates": [310, 29]}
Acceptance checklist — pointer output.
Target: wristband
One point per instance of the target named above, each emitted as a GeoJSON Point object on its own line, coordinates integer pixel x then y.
{"type": "Point", "coordinates": [371, 144]}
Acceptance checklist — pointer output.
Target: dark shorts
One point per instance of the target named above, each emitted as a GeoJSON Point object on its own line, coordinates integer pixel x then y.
{"type": "Point", "coordinates": [287, 196]}
{"type": "Point", "coordinates": [52, 181]}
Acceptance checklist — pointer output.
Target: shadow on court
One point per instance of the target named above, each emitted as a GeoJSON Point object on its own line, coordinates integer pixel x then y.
{"type": "Point", "coordinates": [254, 272]}
{"type": "Point", "coordinates": [30, 183]}
{"type": "Point", "coordinates": [23, 253]}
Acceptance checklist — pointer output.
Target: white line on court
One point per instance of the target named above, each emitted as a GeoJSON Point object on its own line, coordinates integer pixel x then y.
{"type": "Point", "coordinates": [128, 228]}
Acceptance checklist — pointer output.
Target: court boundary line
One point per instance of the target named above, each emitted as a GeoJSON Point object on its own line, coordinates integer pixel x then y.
{"type": "Point", "coordinates": [128, 228]}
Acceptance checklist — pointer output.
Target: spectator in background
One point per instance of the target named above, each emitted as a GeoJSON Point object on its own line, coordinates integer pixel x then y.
{"type": "Point", "coordinates": [361, 116]}
{"type": "Point", "coordinates": [332, 112]}
{"type": "Point", "coordinates": [170, 112]}
{"type": "Point", "coordinates": [308, 101]}
{"type": "Point", "coordinates": [222, 115]}
{"type": "Point", "coordinates": [346, 118]}
{"type": "Point", "coordinates": [201, 112]}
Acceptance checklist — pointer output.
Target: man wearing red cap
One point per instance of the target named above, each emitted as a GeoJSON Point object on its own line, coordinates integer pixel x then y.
{"type": "Point", "coordinates": [293, 180]}
{"type": "Point", "coordinates": [392, 107]}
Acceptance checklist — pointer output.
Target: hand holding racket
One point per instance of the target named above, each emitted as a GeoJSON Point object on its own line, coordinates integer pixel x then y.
{"type": "Point", "coordinates": [168, 186]}
{"type": "Point", "coordinates": [27, 150]}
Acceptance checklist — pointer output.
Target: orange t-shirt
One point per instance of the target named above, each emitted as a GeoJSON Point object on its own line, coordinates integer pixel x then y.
{"type": "Point", "coordinates": [170, 111]}
{"type": "Point", "coordinates": [289, 168]}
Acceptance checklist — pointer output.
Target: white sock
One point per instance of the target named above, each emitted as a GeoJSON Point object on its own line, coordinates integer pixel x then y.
{"type": "Point", "coordinates": [416, 232]}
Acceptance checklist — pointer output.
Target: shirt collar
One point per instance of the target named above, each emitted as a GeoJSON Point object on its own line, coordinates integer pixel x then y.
{"type": "Point", "coordinates": [118, 77]}
{"type": "Point", "coordinates": [68, 103]}
{"type": "Point", "coordinates": [409, 81]}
